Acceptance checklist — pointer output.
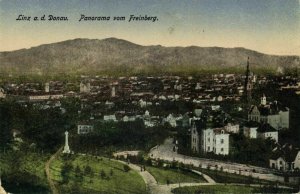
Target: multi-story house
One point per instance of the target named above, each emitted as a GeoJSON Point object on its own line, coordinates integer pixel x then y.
{"type": "Point", "coordinates": [206, 139]}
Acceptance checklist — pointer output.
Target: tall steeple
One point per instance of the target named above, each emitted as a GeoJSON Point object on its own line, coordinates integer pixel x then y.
{"type": "Point", "coordinates": [248, 83]}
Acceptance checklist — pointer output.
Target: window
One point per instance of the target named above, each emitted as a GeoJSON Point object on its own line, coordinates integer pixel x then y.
{"type": "Point", "coordinates": [280, 162]}
{"type": "Point", "coordinates": [208, 139]}
{"type": "Point", "coordinates": [208, 148]}
{"type": "Point", "coordinates": [222, 149]}
{"type": "Point", "coordinates": [222, 141]}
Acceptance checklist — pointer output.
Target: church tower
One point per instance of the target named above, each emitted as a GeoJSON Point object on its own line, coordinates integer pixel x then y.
{"type": "Point", "coordinates": [248, 84]}
{"type": "Point", "coordinates": [263, 100]}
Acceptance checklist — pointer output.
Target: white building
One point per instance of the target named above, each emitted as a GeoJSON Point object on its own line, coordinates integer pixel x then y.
{"type": "Point", "coordinates": [232, 128]}
{"type": "Point", "coordinates": [266, 131]}
{"type": "Point", "coordinates": [110, 118]}
{"type": "Point", "coordinates": [128, 118]}
{"type": "Point", "coordinates": [45, 97]}
{"type": "Point", "coordinates": [206, 140]}
{"type": "Point", "coordinates": [250, 130]}
{"type": "Point", "coordinates": [269, 134]}
{"type": "Point", "coordinates": [143, 103]}
{"type": "Point", "coordinates": [149, 123]}
{"type": "Point", "coordinates": [221, 142]}
{"type": "Point", "coordinates": [172, 119]}
{"type": "Point", "coordinates": [85, 87]}
{"type": "Point", "coordinates": [285, 158]}
{"type": "Point", "coordinates": [198, 86]}
{"type": "Point", "coordinates": [84, 128]}
{"type": "Point", "coordinates": [255, 130]}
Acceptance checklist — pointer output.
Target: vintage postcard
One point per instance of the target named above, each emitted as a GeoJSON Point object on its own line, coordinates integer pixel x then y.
{"type": "Point", "coordinates": [149, 96]}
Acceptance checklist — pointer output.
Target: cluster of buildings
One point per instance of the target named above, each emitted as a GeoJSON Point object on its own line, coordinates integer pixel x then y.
{"type": "Point", "coordinates": [272, 113]}
{"type": "Point", "coordinates": [207, 136]}
{"type": "Point", "coordinates": [215, 88]}
{"type": "Point", "coordinates": [127, 99]}
{"type": "Point", "coordinates": [265, 120]}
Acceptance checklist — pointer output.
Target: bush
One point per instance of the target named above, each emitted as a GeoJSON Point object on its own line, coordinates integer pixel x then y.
{"type": "Point", "coordinates": [126, 168]}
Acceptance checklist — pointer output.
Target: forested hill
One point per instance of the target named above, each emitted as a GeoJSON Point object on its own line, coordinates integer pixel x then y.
{"type": "Point", "coordinates": [111, 54]}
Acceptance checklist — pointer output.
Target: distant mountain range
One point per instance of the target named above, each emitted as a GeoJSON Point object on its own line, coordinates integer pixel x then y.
{"type": "Point", "coordinates": [112, 54]}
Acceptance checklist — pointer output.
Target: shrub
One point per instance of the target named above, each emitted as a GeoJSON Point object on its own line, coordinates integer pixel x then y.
{"type": "Point", "coordinates": [126, 168]}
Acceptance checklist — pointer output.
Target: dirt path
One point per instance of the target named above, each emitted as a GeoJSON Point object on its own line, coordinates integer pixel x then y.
{"type": "Point", "coordinates": [147, 177]}
{"type": "Point", "coordinates": [48, 174]}
{"type": "Point", "coordinates": [153, 187]}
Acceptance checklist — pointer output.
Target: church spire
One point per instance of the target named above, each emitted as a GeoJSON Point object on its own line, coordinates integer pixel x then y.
{"type": "Point", "coordinates": [248, 84]}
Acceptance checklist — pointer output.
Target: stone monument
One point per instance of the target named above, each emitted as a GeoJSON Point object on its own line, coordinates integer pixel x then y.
{"type": "Point", "coordinates": [66, 148]}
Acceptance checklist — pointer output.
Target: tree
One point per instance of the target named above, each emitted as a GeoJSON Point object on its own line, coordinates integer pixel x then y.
{"type": "Point", "coordinates": [87, 170]}
{"type": "Point", "coordinates": [102, 174]}
{"type": "Point", "coordinates": [77, 171]}
{"type": "Point", "coordinates": [65, 171]}
{"type": "Point", "coordinates": [5, 124]}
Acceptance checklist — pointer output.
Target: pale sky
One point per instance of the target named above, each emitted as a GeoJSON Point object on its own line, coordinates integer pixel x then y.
{"type": "Point", "coordinates": [268, 26]}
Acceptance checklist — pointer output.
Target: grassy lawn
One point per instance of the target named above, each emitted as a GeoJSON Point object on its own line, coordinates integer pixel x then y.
{"type": "Point", "coordinates": [25, 169]}
{"type": "Point", "coordinates": [30, 162]}
{"type": "Point", "coordinates": [220, 189]}
{"type": "Point", "coordinates": [174, 176]}
{"type": "Point", "coordinates": [224, 177]}
{"type": "Point", "coordinates": [117, 182]}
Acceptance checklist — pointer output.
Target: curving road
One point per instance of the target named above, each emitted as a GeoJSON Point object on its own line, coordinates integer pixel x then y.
{"type": "Point", "coordinates": [165, 152]}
